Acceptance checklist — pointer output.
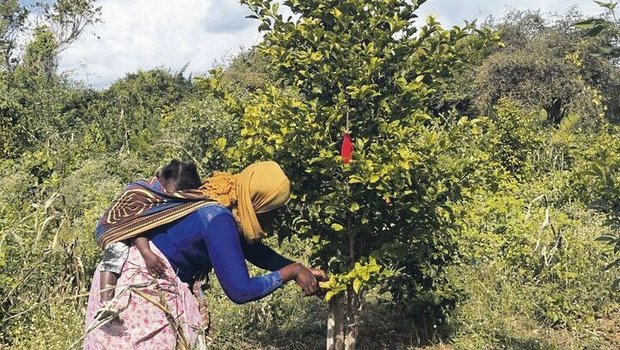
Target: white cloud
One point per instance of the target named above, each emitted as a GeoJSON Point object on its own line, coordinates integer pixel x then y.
{"type": "Point", "coordinates": [144, 34]}
{"type": "Point", "coordinates": [451, 12]}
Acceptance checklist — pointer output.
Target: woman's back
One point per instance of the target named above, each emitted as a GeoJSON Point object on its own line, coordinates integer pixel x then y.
{"type": "Point", "coordinates": [209, 238]}
{"type": "Point", "coordinates": [183, 241]}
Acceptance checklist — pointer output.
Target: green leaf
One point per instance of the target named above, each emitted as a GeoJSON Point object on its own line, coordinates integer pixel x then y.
{"type": "Point", "coordinates": [607, 238]}
{"type": "Point", "coordinates": [357, 284]}
{"type": "Point", "coordinates": [354, 207]}
{"type": "Point", "coordinates": [596, 30]}
{"type": "Point", "coordinates": [221, 143]}
{"type": "Point", "coordinates": [264, 27]}
{"type": "Point", "coordinates": [365, 274]}
{"type": "Point", "coordinates": [354, 179]}
{"type": "Point", "coordinates": [337, 227]}
{"type": "Point", "coordinates": [612, 265]}
{"type": "Point", "coordinates": [588, 23]}
{"type": "Point", "coordinates": [611, 5]}
{"type": "Point", "coordinates": [316, 56]}
{"type": "Point", "coordinates": [604, 50]}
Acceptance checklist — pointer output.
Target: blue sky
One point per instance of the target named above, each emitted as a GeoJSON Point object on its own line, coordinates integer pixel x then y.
{"type": "Point", "coordinates": [144, 34]}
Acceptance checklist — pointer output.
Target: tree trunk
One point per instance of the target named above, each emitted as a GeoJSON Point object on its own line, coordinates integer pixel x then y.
{"type": "Point", "coordinates": [335, 323]}
{"type": "Point", "coordinates": [555, 112]}
{"type": "Point", "coordinates": [354, 306]}
{"type": "Point", "coordinates": [344, 309]}
{"type": "Point", "coordinates": [343, 320]}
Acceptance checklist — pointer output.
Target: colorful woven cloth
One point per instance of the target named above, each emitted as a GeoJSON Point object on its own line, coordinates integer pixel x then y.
{"type": "Point", "coordinates": [145, 204]}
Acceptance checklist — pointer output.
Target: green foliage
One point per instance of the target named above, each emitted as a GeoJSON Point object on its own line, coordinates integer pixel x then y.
{"type": "Point", "coordinates": [40, 56]}
{"type": "Point", "coordinates": [31, 89]}
{"type": "Point", "coordinates": [68, 18]}
{"type": "Point", "coordinates": [604, 194]}
{"type": "Point", "coordinates": [494, 217]}
{"type": "Point", "coordinates": [128, 113]}
{"type": "Point", "coordinates": [363, 68]}
{"type": "Point", "coordinates": [603, 33]}
{"type": "Point", "coordinates": [361, 274]}
{"type": "Point", "coordinates": [607, 28]}
{"type": "Point", "coordinates": [531, 273]}
{"type": "Point", "coordinates": [544, 65]}
{"type": "Point", "coordinates": [529, 263]}
{"type": "Point", "coordinates": [58, 24]}
{"type": "Point", "coordinates": [13, 17]}
{"type": "Point", "coordinates": [245, 73]}
{"type": "Point", "coordinates": [513, 137]}
{"type": "Point", "coordinates": [201, 129]}
{"type": "Point", "coordinates": [532, 76]}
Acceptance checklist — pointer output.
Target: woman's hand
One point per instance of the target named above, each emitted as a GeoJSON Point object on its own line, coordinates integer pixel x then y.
{"type": "Point", "coordinates": [320, 275]}
{"type": "Point", "coordinates": [307, 281]}
{"type": "Point", "coordinates": [302, 276]}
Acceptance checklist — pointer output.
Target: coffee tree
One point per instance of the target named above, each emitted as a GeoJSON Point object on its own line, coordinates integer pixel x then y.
{"type": "Point", "coordinates": [361, 68]}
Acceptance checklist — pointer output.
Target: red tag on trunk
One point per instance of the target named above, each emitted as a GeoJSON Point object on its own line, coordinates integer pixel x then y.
{"type": "Point", "coordinates": [347, 149]}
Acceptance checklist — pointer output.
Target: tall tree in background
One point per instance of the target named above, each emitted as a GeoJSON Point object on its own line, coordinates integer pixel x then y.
{"type": "Point", "coordinates": [66, 20]}
{"type": "Point", "coordinates": [12, 19]}
{"type": "Point", "coordinates": [532, 75]}
{"type": "Point", "coordinates": [69, 18]}
{"type": "Point", "coordinates": [546, 65]}
{"type": "Point", "coordinates": [40, 57]}
{"type": "Point", "coordinates": [31, 91]}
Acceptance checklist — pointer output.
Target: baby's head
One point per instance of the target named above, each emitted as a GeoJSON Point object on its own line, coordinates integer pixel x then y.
{"type": "Point", "coordinates": [178, 176]}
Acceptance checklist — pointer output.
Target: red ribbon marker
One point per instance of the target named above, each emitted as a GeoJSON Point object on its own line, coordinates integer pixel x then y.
{"type": "Point", "coordinates": [346, 150]}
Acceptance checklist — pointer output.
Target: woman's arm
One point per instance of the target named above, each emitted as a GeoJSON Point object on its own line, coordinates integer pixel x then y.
{"type": "Point", "coordinates": [263, 256]}
{"type": "Point", "coordinates": [224, 247]}
{"type": "Point", "coordinates": [266, 258]}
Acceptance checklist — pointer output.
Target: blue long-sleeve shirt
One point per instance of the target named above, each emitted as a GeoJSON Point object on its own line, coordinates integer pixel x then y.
{"type": "Point", "coordinates": [209, 238]}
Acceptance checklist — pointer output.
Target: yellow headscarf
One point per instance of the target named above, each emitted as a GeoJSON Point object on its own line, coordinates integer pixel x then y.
{"type": "Point", "coordinates": [259, 188]}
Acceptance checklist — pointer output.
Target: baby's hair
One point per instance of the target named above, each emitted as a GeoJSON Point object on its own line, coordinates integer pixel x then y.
{"type": "Point", "coordinates": [180, 175]}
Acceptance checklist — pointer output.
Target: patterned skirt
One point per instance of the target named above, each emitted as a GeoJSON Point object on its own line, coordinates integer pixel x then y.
{"type": "Point", "coordinates": [153, 313]}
